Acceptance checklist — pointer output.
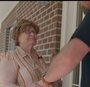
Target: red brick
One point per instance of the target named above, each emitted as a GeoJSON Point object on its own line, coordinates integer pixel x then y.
{"type": "Point", "coordinates": [51, 14]}
{"type": "Point", "coordinates": [39, 16]}
{"type": "Point", "coordinates": [57, 45]}
{"type": "Point", "coordinates": [42, 35]}
{"type": "Point", "coordinates": [52, 45]}
{"type": "Point", "coordinates": [56, 38]}
{"type": "Point", "coordinates": [54, 19]}
{"type": "Point", "coordinates": [41, 20]}
{"type": "Point", "coordinates": [44, 13]}
{"type": "Point", "coordinates": [47, 6]}
{"type": "Point", "coordinates": [34, 19]}
{"type": "Point", "coordinates": [51, 26]}
{"type": "Point", "coordinates": [53, 2]}
{"type": "Point", "coordinates": [50, 39]}
{"type": "Point", "coordinates": [41, 47]}
{"type": "Point", "coordinates": [58, 11]}
{"type": "Point", "coordinates": [31, 12]}
{"type": "Point", "coordinates": [43, 24]}
{"type": "Point", "coordinates": [44, 52]}
{"type": "Point", "coordinates": [49, 21]}
{"type": "Point", "coordinates": [46, 58]}
{"type": "Point", "coordinates": [39, 6]}
{"type": "Point", "coordinates": [49, 10]}
{"type": "Point", "coordinates": [56, 31]}
{"type": "Point", "coordinates": [59, 5]}
{"type": "Point", "coordinates": [45, 40]}
{"type": "Point", "coordinates": [46, 29]}
{"type": "Point", "coordinates": [46, 17]}
{"type": "Point", "coordinates": [20, 3]}
{"type": "Point", "coordinates": [35, 9]}
{"type": "Point", "coordinates": [59, 18]}
{"type": "Point", "coordinates": [57, 24]}
{"type": "Point", "coordinates": [37, 13]}
{"type": "Point", "coordinates": [48, 33]}
{"type": "Point", "coordinates": [41, 31]}
{"type": "Point", "coordinates": [42, 9]}
{"type": "Point", "coordinates": [46, 46]}
{"type": "Point", "coordinates": [40, 42]}
{"type": "Point", "coordinates": [49, 52]}
{"type": "Point", "coordinates": [55, 6]}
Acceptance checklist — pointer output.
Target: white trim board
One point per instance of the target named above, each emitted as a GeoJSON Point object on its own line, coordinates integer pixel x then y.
{"type": "Point", "coordinates": [68, 27]}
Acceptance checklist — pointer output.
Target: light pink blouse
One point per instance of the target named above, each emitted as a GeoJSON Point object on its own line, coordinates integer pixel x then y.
{"type": "Point", "coordinates": [19, 69]}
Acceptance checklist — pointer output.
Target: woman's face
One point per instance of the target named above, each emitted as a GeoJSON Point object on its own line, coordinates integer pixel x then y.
{"type": "Point", "coordinates": [28, 37]}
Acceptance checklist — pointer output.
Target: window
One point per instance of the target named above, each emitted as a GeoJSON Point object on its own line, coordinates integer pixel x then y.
{"type": "Point", "coordinates": [11, 45]}
{"type": "Point", "coordinates": [4, 40]}
{"type": "Point", "coordinates": [76, 76]}
{"type": "Point", "coordinates": [11, 41]}
{"type": "Point", "coordinates": [8, 42]}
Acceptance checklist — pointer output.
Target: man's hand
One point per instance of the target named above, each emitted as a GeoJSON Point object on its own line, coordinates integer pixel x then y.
{"type": "Point", "coordinates": [60, 82]}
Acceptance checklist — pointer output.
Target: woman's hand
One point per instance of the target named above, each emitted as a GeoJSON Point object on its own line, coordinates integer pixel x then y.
{"type": "Point", "coordinates": [43, 84]}
{"type": "Point", "coordinates": [60, 82]}
{"type": "Point", "coordinates": [35, 84]}
{"type": "Point", "coordinates": [54, 53]}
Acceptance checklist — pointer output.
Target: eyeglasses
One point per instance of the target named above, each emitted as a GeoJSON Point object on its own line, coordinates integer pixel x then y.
{"type": "Point", "coordinates": [29, 32]}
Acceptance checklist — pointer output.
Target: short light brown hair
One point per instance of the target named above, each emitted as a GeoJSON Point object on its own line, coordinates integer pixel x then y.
{"type": "Point", "coordinates": [20, 27]}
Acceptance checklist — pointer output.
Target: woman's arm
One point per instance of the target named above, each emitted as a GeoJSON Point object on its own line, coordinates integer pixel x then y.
{"type": "Point", "coordinates": [8, 73]}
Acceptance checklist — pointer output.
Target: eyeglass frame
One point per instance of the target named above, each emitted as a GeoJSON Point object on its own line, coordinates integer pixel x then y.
{"type": "Point", "coordinates": [29, 32]}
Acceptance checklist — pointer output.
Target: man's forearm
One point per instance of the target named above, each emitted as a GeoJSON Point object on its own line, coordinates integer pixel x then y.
{"type": "Point", "coordinates": [67, 60]}
{"type": "Point", "coordinates": [56, 71]}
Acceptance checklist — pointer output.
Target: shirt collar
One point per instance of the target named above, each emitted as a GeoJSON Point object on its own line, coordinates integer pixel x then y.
{"type": "Point", "coordinates": [21, 51]}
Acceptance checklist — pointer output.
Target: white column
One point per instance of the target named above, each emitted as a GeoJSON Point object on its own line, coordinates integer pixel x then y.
{"type": "Point", "coordinates": [68, 27]}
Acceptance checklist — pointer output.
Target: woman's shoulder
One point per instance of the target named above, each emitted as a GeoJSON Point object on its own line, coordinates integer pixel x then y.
{"type": "Point", "coordinates": [7, 54]}
{"type": "Point", "coordinates": [3, 54]}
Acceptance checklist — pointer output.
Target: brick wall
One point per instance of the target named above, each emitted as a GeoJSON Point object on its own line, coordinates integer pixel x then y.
{"type": "Point", "coordinates": [48, 18]}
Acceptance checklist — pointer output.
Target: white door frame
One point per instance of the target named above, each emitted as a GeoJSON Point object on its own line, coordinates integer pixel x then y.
{"type": "Point", "coordinates": [68, 27]}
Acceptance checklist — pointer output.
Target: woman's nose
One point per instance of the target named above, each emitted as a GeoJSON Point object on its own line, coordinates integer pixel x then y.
{"type": "Point", "coordinates": [31, 33]}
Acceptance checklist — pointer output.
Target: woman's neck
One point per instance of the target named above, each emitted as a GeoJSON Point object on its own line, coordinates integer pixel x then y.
{"type": "Point", "coordinates": [28, 49]}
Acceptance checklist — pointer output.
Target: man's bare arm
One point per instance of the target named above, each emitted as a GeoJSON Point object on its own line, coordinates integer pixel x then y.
{"type": "Point", "coordinates": [67, 59]}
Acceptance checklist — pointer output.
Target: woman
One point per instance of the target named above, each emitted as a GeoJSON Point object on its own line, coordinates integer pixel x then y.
{"type": "Point", "coordinates": [22, 67]}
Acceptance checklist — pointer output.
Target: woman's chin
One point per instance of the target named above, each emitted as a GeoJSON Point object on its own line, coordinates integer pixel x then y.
{"type": "Point", "coordinates": [33, 43]}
